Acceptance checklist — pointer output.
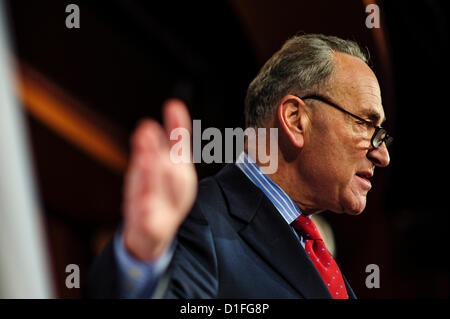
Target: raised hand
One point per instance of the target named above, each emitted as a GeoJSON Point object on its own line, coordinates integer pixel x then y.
{"type": "Point", "coordinates": [158, 193]}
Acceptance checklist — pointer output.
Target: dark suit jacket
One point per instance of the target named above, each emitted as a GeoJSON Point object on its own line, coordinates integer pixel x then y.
{"type": "Point", "coordinates": [234, 244]}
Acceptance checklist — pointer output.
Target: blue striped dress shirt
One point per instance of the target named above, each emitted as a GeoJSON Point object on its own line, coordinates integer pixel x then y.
{"type": "Point", "coordinates": [282, 202]}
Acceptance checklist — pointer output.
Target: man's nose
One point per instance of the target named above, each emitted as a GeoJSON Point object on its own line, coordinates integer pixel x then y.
{"type": "Point", "coordinates": [379, 156]}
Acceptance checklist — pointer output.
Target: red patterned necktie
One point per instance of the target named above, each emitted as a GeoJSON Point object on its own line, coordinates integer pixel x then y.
{"type": "Point", "coordinates": [320, 257]}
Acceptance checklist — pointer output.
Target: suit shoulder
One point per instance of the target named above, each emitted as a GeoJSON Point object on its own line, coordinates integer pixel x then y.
{"type": "Point", "coordinates": [209, 192]}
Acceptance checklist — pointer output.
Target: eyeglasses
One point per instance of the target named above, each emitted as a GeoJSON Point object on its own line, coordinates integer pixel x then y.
{"type": "Point", "coordinates": [380, 135]}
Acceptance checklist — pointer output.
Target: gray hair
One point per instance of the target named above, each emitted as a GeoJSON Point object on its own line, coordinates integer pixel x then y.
{"type": "Point", "coordinates": [304, 61]}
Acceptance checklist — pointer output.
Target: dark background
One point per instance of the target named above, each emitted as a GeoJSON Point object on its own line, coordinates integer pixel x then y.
{"type": "Point", "coordinates": [129, 56]}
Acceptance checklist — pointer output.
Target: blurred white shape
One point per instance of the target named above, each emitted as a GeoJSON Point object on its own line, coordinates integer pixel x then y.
{"type": "Point", "coordinates": [24, 271]}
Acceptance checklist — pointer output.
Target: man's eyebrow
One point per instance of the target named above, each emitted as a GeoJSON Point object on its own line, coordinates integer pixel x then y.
{"type": "Point", "coordinates": [374, 117]}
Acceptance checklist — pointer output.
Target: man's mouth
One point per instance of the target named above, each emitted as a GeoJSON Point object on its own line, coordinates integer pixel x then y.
{"type": "Point", "coordinates": [364, 177]}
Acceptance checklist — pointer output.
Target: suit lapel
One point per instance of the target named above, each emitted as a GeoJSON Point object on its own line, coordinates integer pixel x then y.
{"type": "Point", "coordinates": [351, 294]}
{"type": "Point", "coordinates": [269, 235]}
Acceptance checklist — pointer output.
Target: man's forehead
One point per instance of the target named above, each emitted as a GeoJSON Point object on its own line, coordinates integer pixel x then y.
{"type": "Point", "coordinates": [355, 84]}
{"type": "Point", "coordinates": [353, 75]}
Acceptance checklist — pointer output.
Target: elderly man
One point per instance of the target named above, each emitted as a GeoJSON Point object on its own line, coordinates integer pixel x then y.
{"type": "Point", "coordinates": [242, 233]}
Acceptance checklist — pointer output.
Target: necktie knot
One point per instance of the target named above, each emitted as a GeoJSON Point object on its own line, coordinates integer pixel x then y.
{"type": "Point", "coordinates": [306, 228]}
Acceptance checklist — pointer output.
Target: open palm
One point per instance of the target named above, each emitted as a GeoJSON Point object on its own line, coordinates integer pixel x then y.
{"type": "Point", "coordinates": [158, 193]}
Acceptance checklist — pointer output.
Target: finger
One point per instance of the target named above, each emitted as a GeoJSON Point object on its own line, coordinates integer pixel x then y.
{"type": "Point", "coordinates": [176, 115]}
{"type": "Point", "coordinates": [149, 137]}
{"type": "Point", "coordinates": [149, 149]}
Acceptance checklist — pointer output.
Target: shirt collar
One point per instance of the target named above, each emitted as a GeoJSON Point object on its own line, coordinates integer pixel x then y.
{"type": "Point", "coordinates": [282, 202]}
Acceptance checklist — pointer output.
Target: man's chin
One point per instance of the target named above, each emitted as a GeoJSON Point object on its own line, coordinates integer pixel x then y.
{"type": "Point", "coordinates": [348, 210]}
{"type": "Point", "coordinates": [351, 204]}
{"type": "Point", "coordinates": [355, 207]}
{"type": "Point", "coordinates": [354, 212]}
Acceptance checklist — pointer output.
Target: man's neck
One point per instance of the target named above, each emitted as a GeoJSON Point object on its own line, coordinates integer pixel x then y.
{"type": "Point", "coordinates": [289, 180]}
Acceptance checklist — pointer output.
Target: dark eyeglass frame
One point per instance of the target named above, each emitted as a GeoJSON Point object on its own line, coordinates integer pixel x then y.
{"type": "Point", "coordinates": [380, 135]}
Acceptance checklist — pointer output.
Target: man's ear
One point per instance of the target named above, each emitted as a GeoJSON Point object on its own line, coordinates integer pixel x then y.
{"type": "Point", "coordinates": [291, 115]}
